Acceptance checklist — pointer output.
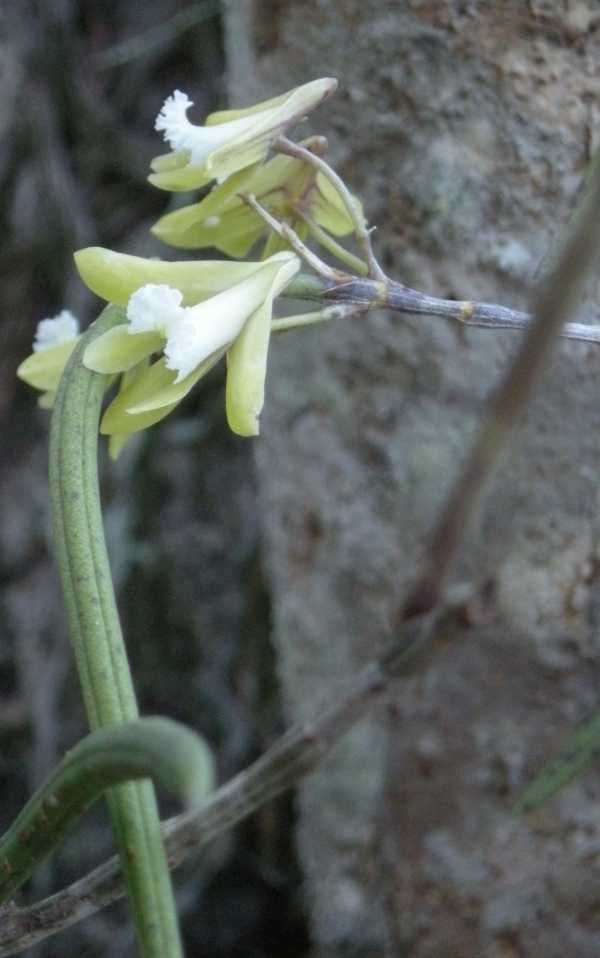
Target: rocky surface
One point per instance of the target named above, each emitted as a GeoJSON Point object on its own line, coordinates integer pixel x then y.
{"type": "Point", "coordinates": [466, 128]}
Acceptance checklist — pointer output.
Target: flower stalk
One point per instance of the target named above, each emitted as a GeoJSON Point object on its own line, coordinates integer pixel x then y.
{"type": "Point", "coordinates": [354, 210]}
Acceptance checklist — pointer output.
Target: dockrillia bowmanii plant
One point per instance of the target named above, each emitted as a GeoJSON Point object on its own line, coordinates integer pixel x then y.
{"type": "Point", "coordinates": [164, 325]}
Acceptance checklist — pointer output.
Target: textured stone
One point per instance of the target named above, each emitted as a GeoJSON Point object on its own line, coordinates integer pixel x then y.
{"type": "Point", "coordinates": [465, 127]}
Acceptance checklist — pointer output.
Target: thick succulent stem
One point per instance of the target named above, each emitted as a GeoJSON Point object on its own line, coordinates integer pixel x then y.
{"type": "Point", "coordinates": [158, 748]}
{"type": "Point", "coordinates": [97, 639]}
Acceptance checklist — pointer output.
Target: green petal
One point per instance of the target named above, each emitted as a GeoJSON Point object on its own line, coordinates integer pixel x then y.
{"type": "Point", "coordinates": [328, 209]}
{"type": "Point", "coordinates": [271, 119]}
{"type": "Point", "coordinates": [235, 233]}
{"type": "Point", "coordinates": [182, 179]}
{"type": "Point", "coordinates": [298, 101]}
{"type": "Point", "coordinates": [173, 393]}
{"type": "Point", "coordinates": [246, 373]}
{"type": "Point", "coordinates": [117, 441]}
{"type": "Point", "coordinates": [115, 276]}
{"type": "Point", "coordinates": [150, 380]}
{"type": "Point", "coordinates": [272, 183]}
{"type": "Point", "coordinates": [224, 116]}
{"type": "Point", "coordinates": [177, 223]}
{"type": "Point", "coordinates": [151, 396]}
{"type": "Point", "coordinates": [247, 360]}
{"type": "Point", "coordinates": [236, 155]}
{"type": "Point", "coordinates": [46, 400]}
{"type": "Point", "coordinates": [225, 195]}
{"type": "Point", "coordinates": [125, 426]}
{"type": "Point", "coordinates": [261, 179]}
{"type": "Point", "coordinates": [168, 162]}
{"type": "Point", "coordinates": [118, 350]}
{"type": "Point", "coordinates": [43, 369]}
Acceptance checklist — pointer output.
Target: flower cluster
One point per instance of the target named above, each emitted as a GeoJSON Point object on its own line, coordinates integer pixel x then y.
{"type": "Point", "coordinates": [182, 317]}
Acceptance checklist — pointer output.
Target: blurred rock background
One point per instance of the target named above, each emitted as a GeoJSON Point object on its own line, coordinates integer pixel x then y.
{"type": "Point", "coordinates": [248, 567]}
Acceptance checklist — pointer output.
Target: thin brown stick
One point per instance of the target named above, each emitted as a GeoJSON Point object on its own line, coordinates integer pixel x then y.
{"type": "Point", "coordinates": [403, 299]}
{"type": "Point", "coordinates": [290, 236]}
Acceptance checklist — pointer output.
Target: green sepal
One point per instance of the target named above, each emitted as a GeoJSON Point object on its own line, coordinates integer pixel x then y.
{"type": "Point", "coordinates": [246, 373]}
{"type": "Point", "coordinates": [167, 162]}
{"type": "Point", "coordinates": [275, 184]}
{"type": "Point", "coordinates": [234, 234]}
{"type": "Point", "coordinates": [328, 209]}
{"type": "Point", "coordinates": [117, 418]}
{"type": "Point", "coordinates": [171, 392]}
{"type": "Point", "coordinates": [115, 276]}
{"type": "Point", "coordinates": [118, 350]}
{"type": "Point", "coordinates": [151, 396]}
{"type": "Point", "coordinates": [220, 198]}
{"type": "Point", "coordinates": [46, 400]}
{"type": "Point", "coordinates": [43, 369]}
{"type": "Point", "coordinates": [180, 179]}
{"type": "Point", "coordinates": [225, 116]}
{"type": "Point", "coordinates": [247, 360]}
{"type": "Point", "coordinates": [222, 162]}
{"type": "Point", "coordinates": [117, 441]}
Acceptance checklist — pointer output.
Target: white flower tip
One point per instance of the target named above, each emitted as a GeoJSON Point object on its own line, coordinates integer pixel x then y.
{"type": "Point", "coordinates": [181, 351]}
{"type": "Point", "coordinates": [172, 118]}
{"type": "Point", "coordinates": [324, 87]}
{"type": "Point", "coordinates": [180, 134]}
{"type": "Point", "coordinates": [154, 308]}
{"type": "Point", "coordinates": [58, 329]}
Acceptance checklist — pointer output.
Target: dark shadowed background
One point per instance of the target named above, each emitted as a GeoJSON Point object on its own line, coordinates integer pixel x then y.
{"type": "Point", "coordinates": [82, 83]}
{"type": "Point", "coordinates": [246, 567]}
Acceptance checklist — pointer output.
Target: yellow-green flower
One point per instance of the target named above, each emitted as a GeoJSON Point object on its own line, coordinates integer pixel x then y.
{"type": "Point", "coordinates": [236, 321]}
{"type": "Point", "coordinates": [55, 339]}
{"type": "Point", "coordinates": [230, 140]}
{"type": "Point", "coordinates": [287, 187]}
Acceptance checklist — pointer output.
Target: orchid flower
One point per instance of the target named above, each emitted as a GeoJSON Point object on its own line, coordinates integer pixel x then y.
{"type": "Point", "coordinates": [285, 186]}
{"type": "Point", "coordinates": [230, 140]}
{"type": "Point", "coordinates": [54, 341]}
{"type": "Point", "coordinates": [192, 339]}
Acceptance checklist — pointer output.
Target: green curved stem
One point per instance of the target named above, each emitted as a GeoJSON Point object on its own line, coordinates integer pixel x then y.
{"type": "Point", "coordinates": [343, 311]}
{"type": "Point", "coordinates": [97, 640]}
{"type": "Point", "coordinates": [156, 748]}
{"type": "Point", "coordinates": [340, 252]}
